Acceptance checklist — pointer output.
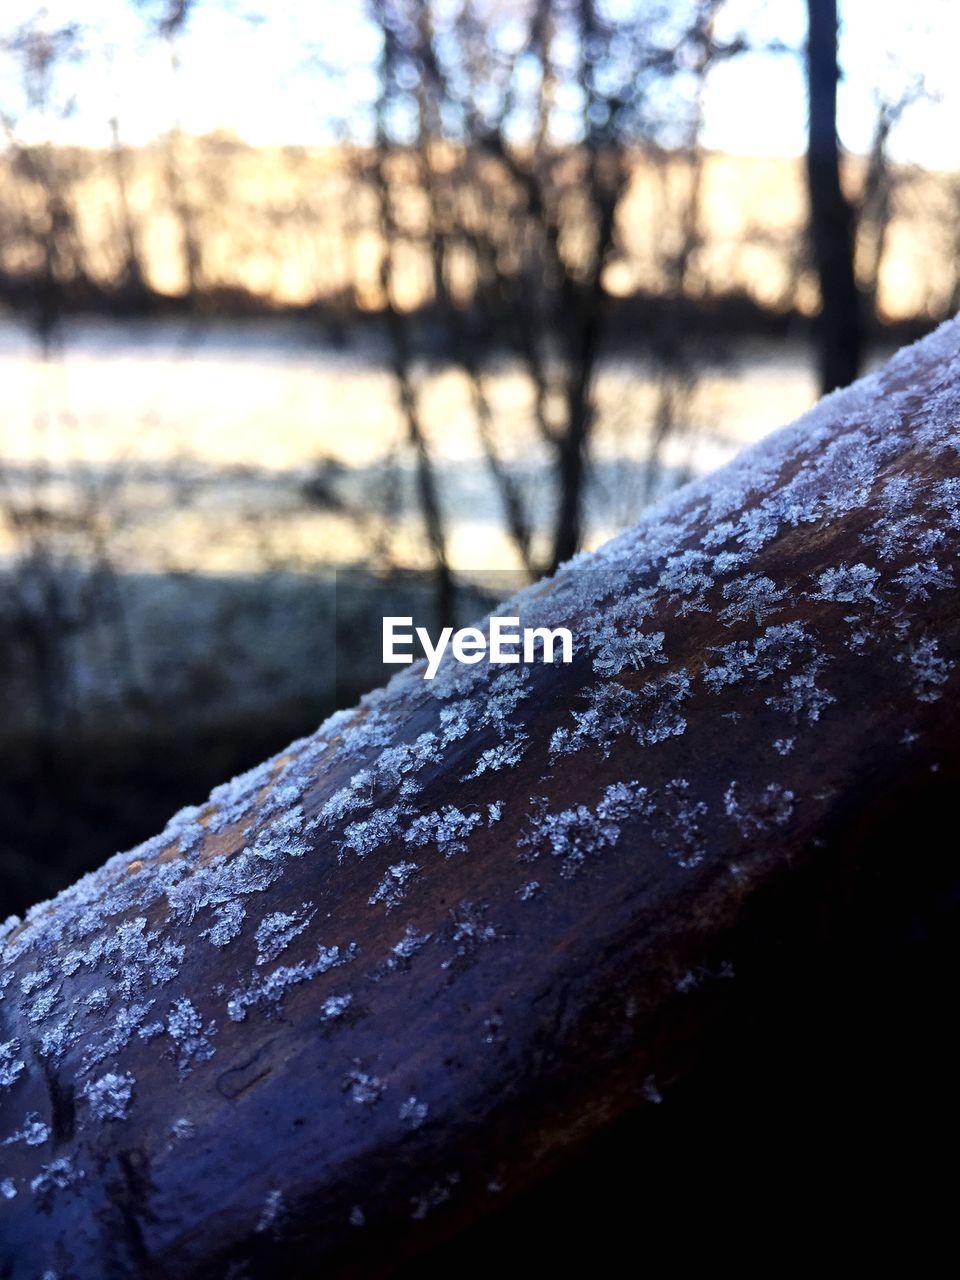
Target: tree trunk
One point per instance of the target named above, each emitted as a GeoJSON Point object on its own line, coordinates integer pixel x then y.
{"type": "Point", "coordinates": [372, 995]}
{"type": "Point", "coordinates": [839, 325]}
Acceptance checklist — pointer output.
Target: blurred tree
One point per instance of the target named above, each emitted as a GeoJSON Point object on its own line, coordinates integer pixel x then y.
{"type": "Point", "coordinates": [507, 137]}
{"type": "Point", "coordinates": [840, 321]}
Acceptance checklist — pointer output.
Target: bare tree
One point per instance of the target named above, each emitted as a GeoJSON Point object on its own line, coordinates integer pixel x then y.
{"type": "Point", "coordinates": [527, 191]}
{"type": "Point", "coordinates": [840, 322]}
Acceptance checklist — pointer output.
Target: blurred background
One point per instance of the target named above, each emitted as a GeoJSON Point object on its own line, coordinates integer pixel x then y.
{"type": "Point", "coordinates": [420, 287]}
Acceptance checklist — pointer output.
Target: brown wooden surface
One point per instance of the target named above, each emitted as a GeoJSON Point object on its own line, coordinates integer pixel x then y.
{"type": "Point", "coordinates": [552, 968]}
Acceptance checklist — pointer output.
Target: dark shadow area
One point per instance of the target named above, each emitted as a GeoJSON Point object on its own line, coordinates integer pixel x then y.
{"type": "Point", "coordinates": [817, 1124]}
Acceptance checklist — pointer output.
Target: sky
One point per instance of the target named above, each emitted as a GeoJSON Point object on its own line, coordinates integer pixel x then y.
{"type": "Point", "coordinates": [255, 74]}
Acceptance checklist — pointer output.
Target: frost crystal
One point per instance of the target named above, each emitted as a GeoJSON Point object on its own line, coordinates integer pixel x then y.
{"type": "Point", "coordinates": [362, 837]}
{"type": "Point", "coordinates": [754, 595]}
{"type": "Point", "coordinates": [109, 1097]}
{"type": "Point", "coordinates": [776, 649]}
{"type": "Point", "coordinates": [276, 931]}
{"type": "Point", "coordinates": [365, 1088]}
{"type": "Point", "coordinates": [685, 582]}
{"type": "Point", "coordinates": [56, 1176]}
{"type": "Point", "coordinates": [651, 716]}
{"type": "Point", "coordinates": [771, 807]}
{"type": "Point", "coordinates": [269, 990]}
{"type": "Point", "coordinates": [447, 828]}
{"type": "Point", "coordinates": [918, 580]}
{"type": "Point", "coordinates": [678, 828]}
{"type": "Point", "coordinates": [413, 1113]}
{"type": "Point", "coordinates": [849, 584]}
{"type": "Point", "coordinates": [272, 1211]}
{"type": "Point", "coordinates": [572, 835]}
{"type": "Point", "coordinates": [469, 932]}
{"type": "Point", "coordinates": [228, 920]}
{"type": "Point", "coordinates": [502, 756]}
{"type": "Point", "coordinates": [33, 1134]}
{"type": "Point", "coordinates": [615, 652]}
{"type": "Point", "coordinates": [185, 1027]}
{"type": "Point", "coordinates": [928, 670]}
{"type": "Point", "coordinates": [392, 888]}
{"type": "Point", "coordinates": [801, 696]}
{"type": "Point", "coordinates": [10, 1065]}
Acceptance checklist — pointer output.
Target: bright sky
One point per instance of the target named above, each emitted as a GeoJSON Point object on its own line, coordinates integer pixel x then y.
{"type": "Point", "coordinates": [259, 78]}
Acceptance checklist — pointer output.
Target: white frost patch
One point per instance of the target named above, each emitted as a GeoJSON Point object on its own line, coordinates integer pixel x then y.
{"type": "Point", "coordinates": [185, 1027]}
{"type": "Point", "coordinates": [393, 887]}
{"type": "Point", "coordinates": [276, 931]}
{"type": "Point", "coordinates": [929, 672]}
{"type": "Point", "coordinates": [413, 1112]}
{"type": "Point", "coordinates": [272, 1211]}
{"type": "Point", "coordinates": [447, 828]}
{"type": "Point", "coordinates": [33, 1134]}
{"type": "Point", "coordinates": [364, 1087]}
{"type": "Point", "coordinates": [109, 1097]}
{"type": "Point", "coordinates": [11, 1067]}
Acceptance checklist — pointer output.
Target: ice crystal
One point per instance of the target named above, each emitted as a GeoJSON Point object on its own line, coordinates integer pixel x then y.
{"type": "Point", "coordinates": [413, 1112]}
{"type": "Point", "coordinates": [392, 888]}
{"type": "Point", "coordinates": [802, 696]}
{"type": "Point", "coordinates": [11, 1067]}
{"type": "Point", "coordinates": [678, 823]}
{"type": "Point", "coordinates": [754, 595]}
{"type": "Point", "coordinates": [609, 713]}
{"type": "Point", "coordinates": [447, 828]}
{"type": "Point", "coordinates": [771, 807]}
{"type": "Point", "coordinates": [367, 834]}
{"type": "Point", "coordinates": [33, 1134]}
{"type": "Point", "coordinates": [272, 1211]}
{"type": "Point", "coordinates": [503, 756]}
{"type": "Point", "coordinates": [573, 835]}
{"type": "Point", "coordinates": [849, 584]}
{"type": "Point", "coordinates": [569, 834]}
{"type": "Point", "coordinates": [651, 715]}
{"type": "Point", "coordinates": [128, 1018]}
{"type": "Point", "coordinates": [469, 932]}
{"type": "Point", "coordinates": [56, 1176]}
{"type": "Point", "coordinates": [268, 990]}
{"type": "Point", "coordinates": [410, 943]}
{"type": "Point", "coordinates": [776, 649]}
{"type": "Point", "coordinates": [364, 1087]}
{"type": "Point", "coordinates": [614, 652]}
{"type": "Point", "coordinates": [685, 581]}
{"type": "Point", "coordinates": [109, 1097]}
{"type": "Point", "coordinates": [228, 920]}
{"type": "Point", "coordinates": [928, 670]}
{"type": "Point", "coordinates": [185, 1027]}
{"type": "Point", "coordinates": [277, 930]}
{"type": "Point", "coordinates": [918, 580]}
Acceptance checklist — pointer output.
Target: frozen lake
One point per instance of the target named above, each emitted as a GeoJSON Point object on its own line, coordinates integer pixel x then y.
{"type": "Point", "coordinates": [238, 447]}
